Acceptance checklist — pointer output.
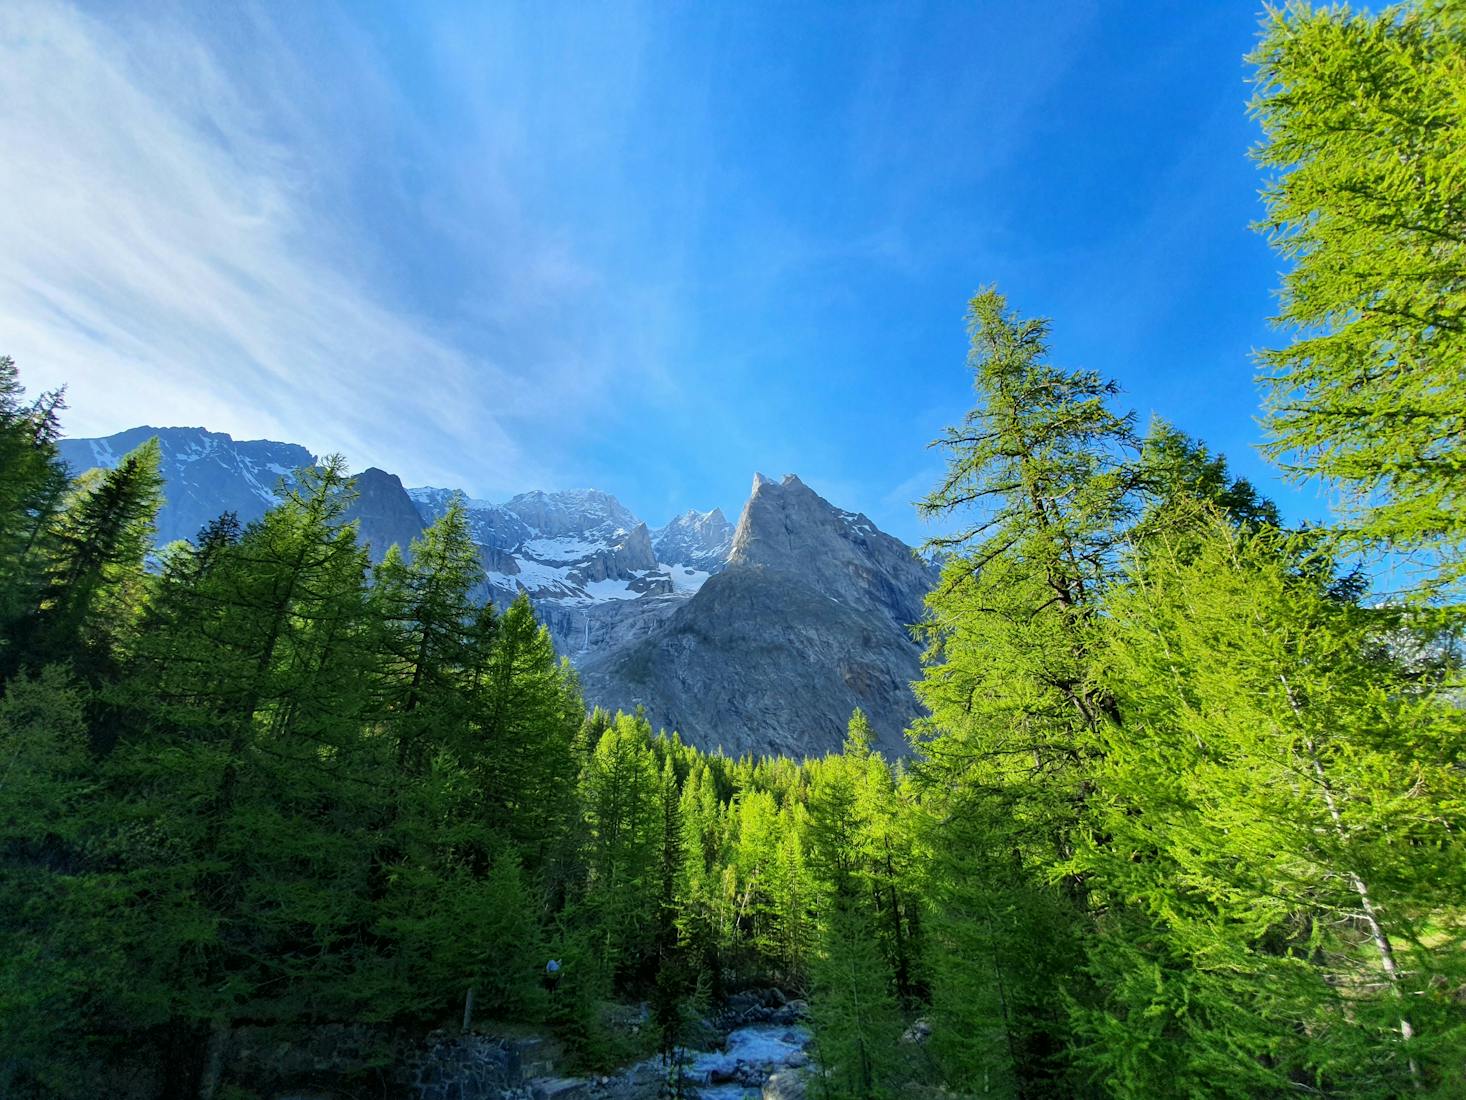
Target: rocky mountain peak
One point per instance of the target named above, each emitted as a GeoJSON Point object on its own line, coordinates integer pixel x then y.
{"type": "Point", "coordinates": [698, 541]}
{"type": "Point", "coordinates": [787, 527]}
{"type": "Point", "coordinates": [808, 620]}
{"type": "Point", "coordinates": [384, 513]}
{"type": "Point", "coordinates": [205, 472]}
{"type": "Point", "coordinates": [570, 512]}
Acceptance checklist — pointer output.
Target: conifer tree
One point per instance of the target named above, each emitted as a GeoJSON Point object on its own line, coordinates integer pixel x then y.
{"type": "Point", "coordinates": [1364, 125]}
{"type": "Point", "coordinates": [529, 718]}
{"type": "Point", "coordinates": [620, 793]}
{"type": "Point", "coordinates": [790, 941]}
{"type": "Point", "coordinates": [244, 755]}
{"type": "Point", "coordinates": [425, 612]}
{"type": "Point", "coordinates": [93, 577]}
{"type": "Point", "coordinates": [1010, 679]}
{"type": "Point", "coordinates": [700, 911]}
{"type": "Point", "coordinates": [53, 954]}
{"type": "Point", "coordinates": [1275, 839]}
{"type": "Point", "coordinates": [31, 491]}
{"type": "Point", "coordinates": [853, 1001]}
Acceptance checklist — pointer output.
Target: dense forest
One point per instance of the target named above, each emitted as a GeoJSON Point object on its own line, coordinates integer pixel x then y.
{"type": "Point", "coordinates": [1183, 818]}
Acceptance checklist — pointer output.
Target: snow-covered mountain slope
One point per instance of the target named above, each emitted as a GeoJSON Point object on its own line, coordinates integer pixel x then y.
{"type": "Point", "coordinates": [591, 567]}
{"type": "Point", "coordinates": [586, 561]}
{"type": "Point", "coordinates": [700, 541]}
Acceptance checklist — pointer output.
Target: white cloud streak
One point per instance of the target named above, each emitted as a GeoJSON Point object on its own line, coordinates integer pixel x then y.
{"type": "Point", "coordinates": [166, 254]}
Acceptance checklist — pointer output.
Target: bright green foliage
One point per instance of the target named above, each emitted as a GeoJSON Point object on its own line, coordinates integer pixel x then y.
{"type": "Point", "coordinates": [704, 915]}
{"type": "Point", "coordinates": [528, 722]}
{"type": "Point", "coordinates": [1010, 680]}
{"type": "Point", "coordinates": [621, 792]}
{"type": "Point", "coordinates": [427, 617]}
{"type": "Point", "coordinates": [755, 816]}
{"type": "Point", "coordinates": [1178, 477]}
{"type": "Point", "coordinates": [789, 938]}
{"type": "Point", "coordinates": [855, 1021]}
{"type": "Point", "coordinates": [1274, 839]}
{"type": "Point", "coordinates": [855, 1018]}
{"type": "Point", "coordinates": [1365, 124]}
{"type": "Point", "coordinates": [867, 956]}
{"type": "Point", "coordinates": [1012, 619]}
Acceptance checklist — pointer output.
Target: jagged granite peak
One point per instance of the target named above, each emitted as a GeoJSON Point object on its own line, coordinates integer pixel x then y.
{"type": "Point", "coordinates": [787, 527]}
{"type": "Point", "coordinates": [204, 473]}
{"type": "Point", "coordinates": [809, 619]}
{"type": "Point", "coordinates": [386, 516]}
{"type": "Point", "coordinates": [699, 541]}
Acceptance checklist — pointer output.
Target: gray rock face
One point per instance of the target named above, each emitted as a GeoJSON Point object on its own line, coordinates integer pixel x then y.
{"type": "Point", "coordinates": [698, 540]}
{"type": "Point", "coordinates": [205, 473]}
{"type": "Point", "coordinates": [789, 528]}
{"type": "Point", "coordinates": [384, 513]}
{"type": "Point", "coordinates": [808, 621]}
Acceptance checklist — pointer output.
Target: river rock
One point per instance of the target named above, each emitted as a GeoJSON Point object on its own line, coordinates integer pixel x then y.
{"type": "Point", "coordinates": [559, 1088]}
{"type": "Point", "coordinates": [787, 1084]}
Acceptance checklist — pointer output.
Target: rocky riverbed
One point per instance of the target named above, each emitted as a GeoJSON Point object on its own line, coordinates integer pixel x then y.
{"type": "Point", "coordinates": [763, 1054]}
{"type": "Point", "coordinates": [755, 1048]}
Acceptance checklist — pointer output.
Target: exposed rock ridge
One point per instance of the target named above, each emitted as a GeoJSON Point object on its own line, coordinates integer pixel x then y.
{"type": "Point", "coordinates": [809, 620]}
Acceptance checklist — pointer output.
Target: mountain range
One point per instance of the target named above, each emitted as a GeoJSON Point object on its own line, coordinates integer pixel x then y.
{"type": "Point", "coordinates": [757, 638]}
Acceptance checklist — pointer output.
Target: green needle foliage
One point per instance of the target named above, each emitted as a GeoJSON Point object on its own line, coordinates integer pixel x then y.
{"type": "Point", "coordinates": [1364, 117]}
{"type": "Point", "coordinates": [1274, 837]}
{"type": "Point", "coordinates": [1009, 682]}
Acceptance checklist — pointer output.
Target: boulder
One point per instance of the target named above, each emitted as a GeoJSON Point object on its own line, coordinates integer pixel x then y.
{"type": "Point", "coordinates": [787, 1084]}
{"type": "Point", "coordinates": [559, 1088]}
{"type": "Point", "coordinates": [919, 1031]}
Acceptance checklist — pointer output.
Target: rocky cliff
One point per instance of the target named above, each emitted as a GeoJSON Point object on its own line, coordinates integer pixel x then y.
{"type": "Point", "coordinates": [809, 620]}
{"type": "Point", "coordinates": [205, 473]}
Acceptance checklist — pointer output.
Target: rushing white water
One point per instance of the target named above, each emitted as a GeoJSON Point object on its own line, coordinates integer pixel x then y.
{"type": "Point", "coordinates": [750, 1056]}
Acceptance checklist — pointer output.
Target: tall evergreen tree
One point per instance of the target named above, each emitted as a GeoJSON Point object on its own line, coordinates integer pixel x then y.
{"type": "Point", "coordinates": [529, 719]}
{"type": "Point", "coordinates": [853, 999]}
{"type": "Point", "coordinates": [1274, 840]}
{"type": "Point", "coordinates": [31, 491]}
{"type": "Point", "coordinates": [1010, 679]}
{"type": "Point", "coordinates": [1364, 125]}
{"type": "Point", "coordinates": [621, 792]}
{"type": "Point", "coordinates": [92, 591]}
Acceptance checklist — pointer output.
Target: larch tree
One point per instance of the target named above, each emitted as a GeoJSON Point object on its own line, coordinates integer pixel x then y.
{"type": "Point", "coordinates": [1044, 464]}
{"type": "Point", "coordinates": [1364, 123]}
{"type": "Point", "coordinates": [1274, 839]}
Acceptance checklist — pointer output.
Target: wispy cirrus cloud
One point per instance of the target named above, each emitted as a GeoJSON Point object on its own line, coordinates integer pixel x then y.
{"type": "Point", "coordinates": [177, 250]}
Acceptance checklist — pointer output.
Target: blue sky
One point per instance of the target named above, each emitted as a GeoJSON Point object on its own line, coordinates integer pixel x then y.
{"type": "Point", "coordinates": [645, 248]}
